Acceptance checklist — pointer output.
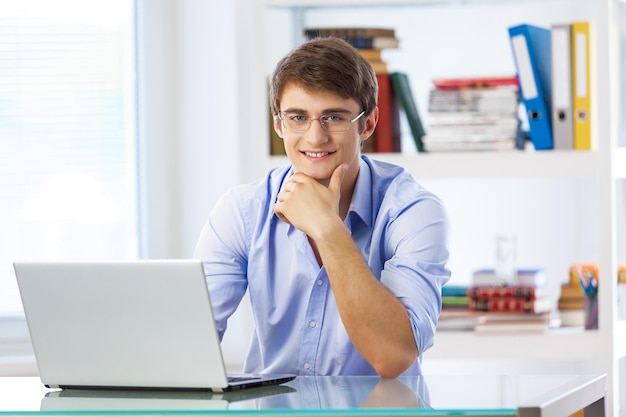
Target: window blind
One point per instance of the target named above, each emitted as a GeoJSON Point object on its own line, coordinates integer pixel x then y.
{"type": "Point", "coordinates": [67, 134]}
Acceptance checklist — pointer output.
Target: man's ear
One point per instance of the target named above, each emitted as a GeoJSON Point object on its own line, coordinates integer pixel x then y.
{"type": "Point", "coordinates": [370, 124]}
{"type": "Point", "coordinates": [278, 126]}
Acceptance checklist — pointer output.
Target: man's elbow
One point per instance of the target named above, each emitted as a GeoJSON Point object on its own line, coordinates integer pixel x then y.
{"type": "Point", "coordinates": [393, 367]}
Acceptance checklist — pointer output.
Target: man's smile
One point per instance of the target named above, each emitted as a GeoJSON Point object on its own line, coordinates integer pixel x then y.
{"type": "Point", "coordinates": [316, 154]}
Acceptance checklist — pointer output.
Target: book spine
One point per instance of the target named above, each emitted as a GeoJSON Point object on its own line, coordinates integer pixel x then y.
{"type": "Point", "coordinates": [311, 33]}
{"type": "Point", "coordinates": [502, 304]}
{"type": "Point", "coordinates": [388, 128]}
{"type": "Point", "coordinates": [483, 293]}
{"type": "Point", "coordinates": [365, 42]}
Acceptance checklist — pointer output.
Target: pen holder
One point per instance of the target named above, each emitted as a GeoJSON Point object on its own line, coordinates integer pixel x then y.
{"type": "Point", "coordinates": [590, 307]}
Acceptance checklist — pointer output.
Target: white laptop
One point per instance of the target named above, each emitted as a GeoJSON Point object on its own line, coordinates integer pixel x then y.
{"type": "Point", "coordinates": [144, 324]}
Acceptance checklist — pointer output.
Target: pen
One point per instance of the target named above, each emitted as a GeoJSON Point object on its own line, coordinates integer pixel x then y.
{"type": "Point", "coordinates": [587, 280]}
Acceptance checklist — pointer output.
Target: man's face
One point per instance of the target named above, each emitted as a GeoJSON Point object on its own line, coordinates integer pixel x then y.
{"type": "Point", "coordinates": [317, 152]}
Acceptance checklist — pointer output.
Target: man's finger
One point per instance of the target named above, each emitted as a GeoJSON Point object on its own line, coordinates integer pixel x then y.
{"type": "Point", "coordinates": [337, 177]}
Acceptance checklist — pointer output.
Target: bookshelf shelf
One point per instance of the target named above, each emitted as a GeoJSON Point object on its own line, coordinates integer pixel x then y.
{"type": "Point", "coordinates": [456, 28]}
{"type": "Point", "coordinates": [555, 345]}
{"type": "Point", "coordinates": [365, 3]}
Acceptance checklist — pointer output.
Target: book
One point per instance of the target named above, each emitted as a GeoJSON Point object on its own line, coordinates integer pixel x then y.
{"type": "Point", "coordinates": [456, 319]}
{"type": "Point", "coordinates": [374, 42]}
{"type": "Point", "coordinates": [532, 55]}
{"type": "Point", "coordinates": [433, 144]}
{"type": "Point", "coordinates": [529, 292]}
{"type": "Point", "coordinates": [348, 32]}
{"type": "Point", "coordinates": [512, 304]}
{"type": "Point", "coordinates": [570, 304]}
{"type": "Point", "coordinates": [388, 128]}
{"type": "Point", "coordinates": [500, 322]}
{"type": "Point", "coordinates": [449, 301]}
{"type": "Point", "coordinates": [372, 55]}
{"type": "Point", "coordinates": [473, 114]}
{"type": "Point", "coordinates": [379, 67]}
{"type": "Point", "coordinates": [513, 327]}
{"type": "Point", "coordinates": [572, 318]}
{"type": "Point", "coordinates": [454, 290]}
{"type": "Point", "coordinates": [571, 291]}
{"type": "Point", "coordinates": [360, 38]}
{"type": "Point", "coordinates": [525, 276]}
{"type": "Point", "coordinates": [404, 95]}
{"type": "Point", "coordinates": [581, 82]}
{"type": "Point", "coordinates": [470, 118]}
{"type": "Point", "coordinates": [484, 100]}
{"type": "Point", "coordinates": [516, 322]}
{"type": "Point", "coordinates": [562, 124]}
{"type": "Point", "coordinates": [277, 147]}
{"type": "Point", "coordinates": [474, 82]}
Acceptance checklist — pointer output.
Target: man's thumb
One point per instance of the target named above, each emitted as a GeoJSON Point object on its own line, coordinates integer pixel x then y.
{"type": "Point", "coordinates": [337, 177]}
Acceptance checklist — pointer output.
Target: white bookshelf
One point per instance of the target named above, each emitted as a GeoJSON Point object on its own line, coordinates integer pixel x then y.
{"type": "Point", "coordinates": [270, 28]}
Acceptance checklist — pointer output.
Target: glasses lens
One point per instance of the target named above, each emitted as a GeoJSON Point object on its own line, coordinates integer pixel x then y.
{"type": "Point", "coordinates": [335, 123]}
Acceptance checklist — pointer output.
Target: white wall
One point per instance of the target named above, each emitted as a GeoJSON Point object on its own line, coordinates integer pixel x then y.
{"type": "Point", "coordinates": [189, 126]}
{"type": "Point", "coordinates": [189, 119]}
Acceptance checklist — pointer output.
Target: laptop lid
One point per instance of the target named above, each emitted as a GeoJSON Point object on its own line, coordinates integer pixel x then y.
{"type": "Point", "coordinates": [124, 324]}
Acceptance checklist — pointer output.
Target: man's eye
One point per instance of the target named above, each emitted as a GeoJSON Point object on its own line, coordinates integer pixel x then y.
{"type": "Point", "coordinates": [334, 118]}
{"type": "Point", "coordinates": [298, 118]}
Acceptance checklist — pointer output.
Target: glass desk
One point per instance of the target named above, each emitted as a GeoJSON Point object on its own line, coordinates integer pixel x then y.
{"type": "Point", "coordinates": [519, 395]}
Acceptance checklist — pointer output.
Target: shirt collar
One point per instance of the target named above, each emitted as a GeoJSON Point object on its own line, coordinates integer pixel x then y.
{"type": "Point", "coordinates": [361, 204]}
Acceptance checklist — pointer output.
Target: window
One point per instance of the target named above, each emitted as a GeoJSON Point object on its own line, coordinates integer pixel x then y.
{"type": "Point", "coordinates": [68, 172]}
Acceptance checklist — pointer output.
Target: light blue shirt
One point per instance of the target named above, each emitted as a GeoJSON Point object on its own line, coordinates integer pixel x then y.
{"type": "Point", "coordinates": [400, 227]}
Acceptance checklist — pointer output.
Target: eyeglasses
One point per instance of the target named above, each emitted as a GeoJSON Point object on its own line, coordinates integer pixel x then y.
{"type": "Point", "coordinates": [299, 123]}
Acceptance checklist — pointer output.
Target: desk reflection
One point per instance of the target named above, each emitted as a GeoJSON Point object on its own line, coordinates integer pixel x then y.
{"type": "Point", "coordinates": [147, 400]}
{"type": "Point", "coordinates": [304, 393]}
{"type": "Point", "coordinates": [334, 393]}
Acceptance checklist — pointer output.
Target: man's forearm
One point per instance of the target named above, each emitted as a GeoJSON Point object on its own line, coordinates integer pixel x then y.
{"type": "Point", "coordinates": [375, 320]}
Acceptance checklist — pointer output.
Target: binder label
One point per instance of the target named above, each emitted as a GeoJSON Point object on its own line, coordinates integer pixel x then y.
{"type": "Point", "coordinates": [524, 68]}
{"type": "Point", "coordinates": [581, 65]}
{"type": "Point", "coordinates": [561, 93]}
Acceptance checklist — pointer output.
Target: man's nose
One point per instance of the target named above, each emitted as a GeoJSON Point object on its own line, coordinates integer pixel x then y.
{"type": "Point", "coordinates": [316, 133]}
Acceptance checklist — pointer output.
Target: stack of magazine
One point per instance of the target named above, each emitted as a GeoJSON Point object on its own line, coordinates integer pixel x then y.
{"type": "Point", "coordinates": [473, 114]}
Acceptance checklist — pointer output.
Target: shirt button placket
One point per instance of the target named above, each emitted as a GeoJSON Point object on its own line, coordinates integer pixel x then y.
{"type": "Point", "coordinates": [311, 336]}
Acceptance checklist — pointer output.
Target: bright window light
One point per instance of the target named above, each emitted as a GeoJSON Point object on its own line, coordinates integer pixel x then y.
{"type": "Point", "coordinates": [68, 174]}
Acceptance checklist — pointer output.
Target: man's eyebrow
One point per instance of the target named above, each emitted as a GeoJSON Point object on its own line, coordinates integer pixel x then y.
{"type": "Point", "coordinates": [325, 111]}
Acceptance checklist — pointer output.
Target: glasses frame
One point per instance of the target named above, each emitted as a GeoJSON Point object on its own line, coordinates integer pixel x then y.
{"type": "Point", "coordinates": [281, 116]}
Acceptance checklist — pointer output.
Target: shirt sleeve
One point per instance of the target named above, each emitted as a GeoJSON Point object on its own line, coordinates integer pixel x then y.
{"type": "Point", "coordinates": [223, 250]}
{"type": "Point", "coordinates": [417, 241]}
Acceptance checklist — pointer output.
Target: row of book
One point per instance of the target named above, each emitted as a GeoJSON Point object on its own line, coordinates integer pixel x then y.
{"type": "Point", "coordinates": [486, 306]}
{"type": "Point", "coordinates": [554, 66]}
{"type": "Point", "coordinates": [525, 305]}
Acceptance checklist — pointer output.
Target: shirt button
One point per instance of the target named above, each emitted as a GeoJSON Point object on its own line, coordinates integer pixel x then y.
{"type": "Point", "coordinates": [312, 323]}
{"type": "Point", "coordinates": [307, 365]}
{"type": "Point", "coordinates": [319, 282]}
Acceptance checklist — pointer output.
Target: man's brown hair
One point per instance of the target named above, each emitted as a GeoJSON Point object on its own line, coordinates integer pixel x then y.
{"type": "Point", "coordinates": [330, 65]}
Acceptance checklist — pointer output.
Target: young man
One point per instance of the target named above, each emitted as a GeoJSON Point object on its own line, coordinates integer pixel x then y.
{"type": "Point", "coordinates": [344, 256]}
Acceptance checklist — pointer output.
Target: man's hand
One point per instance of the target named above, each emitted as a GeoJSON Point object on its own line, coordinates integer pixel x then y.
{"type": "Point", "coordinates": [310, 206]}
